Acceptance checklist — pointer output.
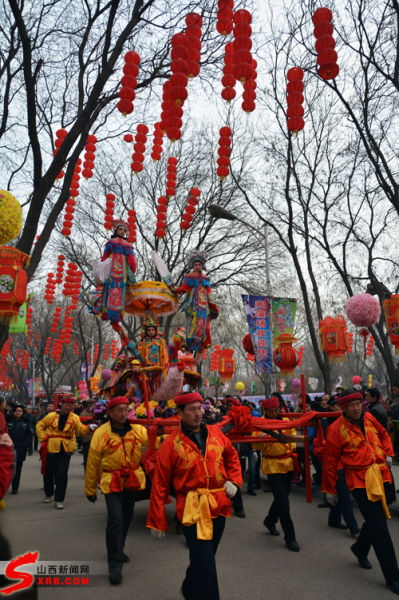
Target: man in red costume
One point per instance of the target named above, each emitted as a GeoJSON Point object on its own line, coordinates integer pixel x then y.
{"type": "Point", "coordinates": [364, 448]}
{"type": "Point", "coordinates": [205, 471]}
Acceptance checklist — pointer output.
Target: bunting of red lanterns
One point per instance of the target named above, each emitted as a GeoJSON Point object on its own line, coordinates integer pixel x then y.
{"type": "Point", "coordinates": [157, 143]}
{"type": "Point", "coordinates": [74, 189]}
{"type": "Point", "coordinates": [47, 346]}
{"type": "Point", "coordinates": [60, 268]}
{"type": "Point", "coordinates": [114, 350]}
{"type": "Point", "coordinates": [68, 217]}
{"type": "Point", "coordinates": [295, 99]}
{"type": "Point", "coordinates": [171, 172]}
{"type": "Point", "coordinates": [325, 43]}
{"type": "Point", "coordinates": [177, 88]}
{"type": "Point", "coordinates": [300, 356]}
{"type": "Point", "coordinates": [242, 45]}
{"type": "Point", "coordinates": [228, 79]}
{"type": "Point", "coordinates": [60, 136]}
{"type": "Point", "coordinates": [249, 93]}
{"type": "Point", "coordinates": [25, 359]}
{"type": "Point", "coordinates": [370, 346]}
{"type": "Point", "coordinates": [350, 343]}
{"type": "Point", "coordinates": [162, 207]}
{"type": "Point", "coordinates": [224, 23]}
{"type": "Point", "coordinates": [193, 43]}
{"type": "Point", "coordinates": [96, 351]}
{"type": "Point", "coordinates": [127, 92]}
{"type": "Point", "coordinates": [139, 148]}
{"type": "Point", "coordinates": [50, 288]}
{"type": "Point", "coordinates": [131, 223]}
{"type": "Point", "coordinates": [224, 152]}
{"type": "Point", "coordinates": [109, 210]}
{"type": "Point", "coordinates": [189, 210]}
{"type": "Point", "coordinates": [106, 350]}
{"type": "Point", "coordinates": [214, 362]}
{"type": "Point", "coordinates": [76, 289]}
{"type": "Point", "coordinates": [66, 330]}
{"type": "Point", "coordinates": [72, 282]}
{"type": "Point", "coordinates": [89, 156]}
{"type": "Point", "coordinates": [56, 318]}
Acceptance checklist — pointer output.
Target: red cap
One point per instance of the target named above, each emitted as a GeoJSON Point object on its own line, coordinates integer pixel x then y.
{"type": "Point", "coordinates": [344, 400]}
{"type": "Point", "coordinates": [188, 398]}
{"type": "Point", "coordinates": [270, 403]}
{"type": "Point", "coordinates": [233, 401]}
{"type": "Point", "coordinates": [116, 401]}
{"type": "Point", "coordinates": [67, 400]}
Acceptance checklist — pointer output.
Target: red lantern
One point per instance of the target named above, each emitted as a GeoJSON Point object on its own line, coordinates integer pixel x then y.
{"type": "Point", "coordinates": [391, 311]}
{"type": "Point", "coordinates": [333, 338]}
{"type": "Point", "coordinates": [247, 344]}
{"type": "Point", "coordinates": [226, 365]}
{"type": "Point", "coordinates": [285, 356]}
{"type": "Point", "coordinates": [224, 24]}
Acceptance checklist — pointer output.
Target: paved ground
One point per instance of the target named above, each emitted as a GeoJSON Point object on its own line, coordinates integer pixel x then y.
{"type": "Point", "coordinates": [251, 563]}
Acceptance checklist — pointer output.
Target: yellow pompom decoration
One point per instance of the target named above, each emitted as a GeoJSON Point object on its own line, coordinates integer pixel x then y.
{"type": "Point", "coordinates": [240, 386]}
{"type": "Point", "coordinates": [10, 217]}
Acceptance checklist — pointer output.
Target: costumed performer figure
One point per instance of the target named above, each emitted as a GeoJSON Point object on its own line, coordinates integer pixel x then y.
{"type": "Point", "coordinates": [198, 306]}
{"type": "Point", "coordinates": [153, 350]}
{"type": "Point", "coordinates": [201, 463]}
{"type": "Point", "coordinates": [111, 304]}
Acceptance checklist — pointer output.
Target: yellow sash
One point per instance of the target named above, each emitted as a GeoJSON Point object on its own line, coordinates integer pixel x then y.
{"type": "Point", "coordinates": [375, 487]}
{"type": "Point", "coordinates": [197, 509]}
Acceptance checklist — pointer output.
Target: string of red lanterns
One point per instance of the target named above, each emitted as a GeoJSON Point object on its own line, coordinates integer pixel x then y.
{"type": "Point", "coordinates": [131, 223]}
{"type": "Point", "coordinates": [228, 79]}
{"type": "Point", "coordinates": [242, 45]}
{"type": "Point", "coordinates": [76, 348]}
{"type": "Point", "coordinates": [106, 350]}
{"type": "Point", "coordinates": [139, 148]}
{"type": "Point", "coordinates": [157, 143]}
{"type": "Point", "coordinates": [50, 288]}
{"type": "Point", "coordinates": [60, 136]}
{"type": "Point", "coordinates": [162, 207]}
{"type": "Point", "coordinates": [74, 189]}
{"type": "Point", "coordinates": [109, 211]}
{"type": "Point", "coordinates": [193, 42]}
{"type": "Point", "coordinates": [47, 346]}
{"type": "Point", "coordinates": [249, 93]}
{"type": "Point", "coordinates": [224, 23]}
{"type": "Point", "coordinates": [89, 156]}
{"type": "Point", "coordinates": [224, 152]}
{"type": "Point", "coordinates": [29, 312]}
{"type": "Point", "coordinates": [127, 92]}
{"type": "Point", "coordinates": [189, 210]}
{"type": "Point", "coordinates": [68, 217]}
{"type": "Point", "coordinates": [56, 318]}
{"type": "Point", "coordinates": [171, 171]}
{"type": "Point", "coordinates": [295, 99]}
{"type": "Point", "coordinates": [325, 43]}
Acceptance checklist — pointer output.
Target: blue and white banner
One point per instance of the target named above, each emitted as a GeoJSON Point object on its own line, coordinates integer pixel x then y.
{"type": "Point", "coordinates": [257, 310]}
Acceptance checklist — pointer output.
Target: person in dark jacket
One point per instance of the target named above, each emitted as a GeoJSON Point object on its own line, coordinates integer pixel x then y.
{"type": "Point", "coordinates": [375, 406]}
{"type": "Point", "coordinates": [21, 434]}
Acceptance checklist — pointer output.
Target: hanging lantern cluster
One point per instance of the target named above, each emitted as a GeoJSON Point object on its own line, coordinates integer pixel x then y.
{"type": "Point", "coordinates": [109, 211]}
{"type": "Point", "coordinates": [228, 79]}
{"type": "Point", "coordinates": [171, 172]}
{"type": "Point", "coordinates": [56, 352]}
{"type": "Point", "coordinates": [370, 346]}
{"type": "Point", "coordinates": [128, 138]}
{"type": "Point", "coordinates": [89, 156]}
{"type": "Point", "coordinates": [17, 357]}
{"type": "Point", "coordinates": [5, 350]}
{"type": "Point", "coordinates": [56, 318]}
{"type": "Point", "coordinates": [226, 365]}
{"type": "Point", "coordinates": [300, 356]}
{"type": "Point", "coordinates": [193, 43]}
{"type": "Point", "coordinates": [37, 338]}
{"type": "Point", "coordinates": [114, 350]}
{"type": "Point", "coordinates": [47, 346]}
{"type": "Point", "coordinates": [139, 148]}
{"type": "Point", "coordinates": [162, 207]}
{"type": "Point", "coordinates": [391, 311]}
{"type": "Point", "coordinates": [76, 290]}
{"type": "Point", "coordinates": [249, 93]}
{"type": "Point", "coordinates": [224, 152]}
{"type": "Point", "coordinates": [29, 320]}
{"type": "Point", "coordinates": [60, 136]}
{"type": "Point", "coordinates": [157, 143]}
{"type": "Point", "coordinates": [224, 22]}
{"type": "Point", "coordinates": [66, 330]}
{"type": "Point", "coordinates": [50, 288]}
{"type": "Point", "coordinates": [76, 348]}
{"type": "Point", "coordinates": [189, 210]}
{"type": "Point", "coordinates": [325, 43]}
{"type": "Point", "coordinates": [74, 189]}
{"type": "Point", "coordinates": [96, 351]}
{"type": "Point", "coordinates": [350, 343]}
{"type": "Point", "coordinates": [333, 338]}
{"type": "Point", "coordinates": [295, 99]}
{"type": "Point", "coordinates": [177, 87]}
{"type": "Point", "coordinates": [106, 350]}
{"type": "Point", "coordinates": [242, 45]}
{"type": "Point", "coordinates": [68, 217]}
{"type": "Point", "coordinates": [131, 223]}
{"type": "Point", "coordinates": [127, 92]}
{"type": "Point", "coordinates": [214, 363]}
{"type": "Point", "coordinates": [285, 356]}
{"type": "Point", "coordinates": [25, 359]}
{"type": "Point", "coordinates": [60, 269]}
{"type": "Point", "coordinates": [72, 283]}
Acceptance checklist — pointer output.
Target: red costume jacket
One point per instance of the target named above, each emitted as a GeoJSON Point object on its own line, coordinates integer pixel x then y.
{"type": "Point", "coordinates": [181, 463]}
{"type": "Point", "coordinates": [346, 443]}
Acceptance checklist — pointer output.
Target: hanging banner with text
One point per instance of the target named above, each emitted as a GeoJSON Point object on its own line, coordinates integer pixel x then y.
{"type": "Point", "coordinates": [257, 310]}
{"type": "Point", "coordinates": [283, 316]}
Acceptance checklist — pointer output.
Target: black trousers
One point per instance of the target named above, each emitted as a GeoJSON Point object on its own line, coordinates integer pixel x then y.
{"type": "Point", "coordinates": [280, 484]}
{"type": "Point", "coordinates": [120, 507]}
{"type": "Point", "coordinates": [85, 448]}
{"type": "Point", "coordinates": [57, 473]}
{"type": "Point", "coordinates": [17, 475]}
{"type": "Point", "coordinates": [201, 581]}
{"type": "Point", "coordinates": [237, 502]}
{"type": "Point", "coordinates": [374, 532]}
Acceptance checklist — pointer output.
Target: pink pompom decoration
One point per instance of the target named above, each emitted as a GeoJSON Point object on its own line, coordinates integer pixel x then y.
{"type": "Point", "coordinates": [106, 374]}
{"type": "Point", "coordinates": [356, 379]}
{"type": "Point", "coordinates": [363, 310]}
{"type": "Point", "coordinates": [296, 382]}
